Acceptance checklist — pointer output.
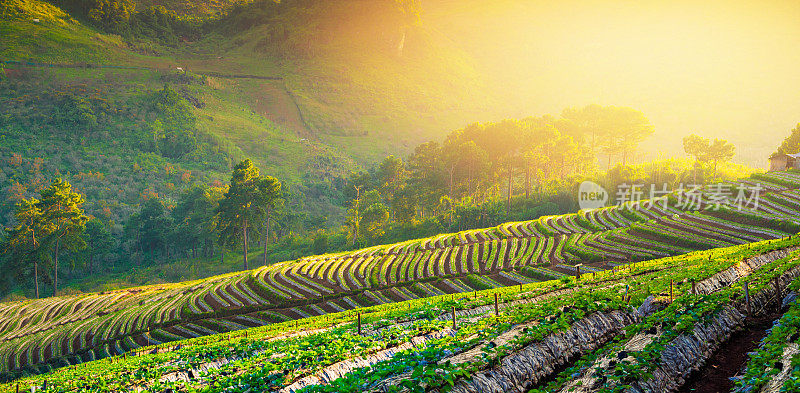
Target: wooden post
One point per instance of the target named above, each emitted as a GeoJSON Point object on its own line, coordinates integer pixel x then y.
{"type": "Point", "coordinates": [44, 387]}
{"type": "Point", "coordinates": [496, 305]}
{"type": "Point", "coordinates": [17, 387]}
{"type": "Point", "coordinates": [454, 318]}
{"type": "Point", "coordinates": [747, 298]}
{"type": "Point", "coordinates": [671, 293]}
{"type": "Point", "coordinates": [520, 287]}
{"type": "Point", "coordinates": [578, 275]}
{"type": "Point", "coordinates": [359, 324]}
{"type": "Point", "coordinates": [694, 288]}
{"type": "Point", "coordinates": [594, 276]}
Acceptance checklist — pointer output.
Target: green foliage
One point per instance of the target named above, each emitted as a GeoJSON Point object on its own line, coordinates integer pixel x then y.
{"type": "Point", "coordinates": [765, 363]}
{"type": "Point", "coordinates": [174, 125]}
{"type": "Point", "coordinates": [150, 227]}
{"type": "Point", "coordinates": [160, 121]}
{"type": "Point", "coordinates": [704, 150]}
{"type": "Point", "coordinates": [791, 144]}
{"type": "Point", "coordinates": [154, 23]}
{"type": "Point", "coordinates": [244, 207]}
{"type": "Point", "coordinates": [22, 249]}
{"type": "Point", "coordinates": [56, 37]}
{"type": "Point", "coordinates": [99, 243]}
{"type": "Point", "coordinates": [45, 228]}
{"type": "Point", "coordinates": [476, 282]}
{"type": "Point", "coordinates": [63, 222]}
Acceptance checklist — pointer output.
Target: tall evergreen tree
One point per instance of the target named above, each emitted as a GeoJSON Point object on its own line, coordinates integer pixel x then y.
{"type": "Point", "coordinates": [63, 218]}
{"type": "Point", "coordinates": [244, 206]}
{"type": "Point", "coordinates": [720, 150]}
{"type": "Point", "coordinates": [23, 245]}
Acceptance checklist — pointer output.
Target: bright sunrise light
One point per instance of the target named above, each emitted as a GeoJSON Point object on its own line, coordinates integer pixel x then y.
{"type": "Point", "coordinates": [721, 68]}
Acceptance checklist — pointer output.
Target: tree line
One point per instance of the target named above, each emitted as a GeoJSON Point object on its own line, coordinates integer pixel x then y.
{"type": "Point", "coordinates": [55, 222]}
{"type": "Point", "coordinates": [482, 163]}
{"type": "Point", "coordinates": [480, 175]}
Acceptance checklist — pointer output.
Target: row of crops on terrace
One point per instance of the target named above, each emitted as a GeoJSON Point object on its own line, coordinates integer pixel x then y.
{"type": "Point", "coordinates": [641, 327]}
{"type": "Point", "coordinates": [36, 336]}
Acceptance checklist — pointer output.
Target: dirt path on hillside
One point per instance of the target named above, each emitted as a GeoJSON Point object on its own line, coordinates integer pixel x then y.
{"type": "Point", "coordinates": [276, 104]}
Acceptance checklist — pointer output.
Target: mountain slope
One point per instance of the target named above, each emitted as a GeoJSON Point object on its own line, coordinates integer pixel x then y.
{"type": "Point", "coordinates": [111, 323]}
{"type": "Point", "coordinates": [337, 97]}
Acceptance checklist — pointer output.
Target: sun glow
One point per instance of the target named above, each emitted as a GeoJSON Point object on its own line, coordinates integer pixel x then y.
{"type": "Point", "coordinates": [724, 69]}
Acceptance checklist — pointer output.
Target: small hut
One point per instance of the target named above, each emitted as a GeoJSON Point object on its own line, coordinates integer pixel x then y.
{"type": "Point", "coordinates": [782, 161]}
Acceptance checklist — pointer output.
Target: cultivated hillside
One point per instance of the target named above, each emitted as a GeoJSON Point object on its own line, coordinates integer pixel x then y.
{"type": "Point", "coordinates": [555, 336]}
{"type": "Point", "coordinates": [40, 334]}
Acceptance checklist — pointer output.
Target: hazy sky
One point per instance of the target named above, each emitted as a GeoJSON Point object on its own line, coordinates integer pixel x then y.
{"type": "Point", "coordinates": [720, 69]}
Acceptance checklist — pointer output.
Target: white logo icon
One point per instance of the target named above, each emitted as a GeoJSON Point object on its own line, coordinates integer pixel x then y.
{"type": "Point", "coordinates": [591, 195]}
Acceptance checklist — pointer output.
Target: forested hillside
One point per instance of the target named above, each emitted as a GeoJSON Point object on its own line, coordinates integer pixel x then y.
{"type": "Point", "coordinates": [145, 108]}
{"type": "Point", "coordinates": [129, 101]}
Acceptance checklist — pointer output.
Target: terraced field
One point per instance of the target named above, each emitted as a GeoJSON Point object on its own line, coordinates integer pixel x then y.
{"type": "Point", "coordinates": [36, 336]}
{"type": "Point", "coordinates": [643, 327]}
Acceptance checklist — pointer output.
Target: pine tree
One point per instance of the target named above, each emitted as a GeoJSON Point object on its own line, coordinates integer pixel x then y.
{"type": "Point", "coordinates": [244, 206]}
{"type": "Point", "coordinates": [24, 241]}
{"type": "Point", "coordinates": [64, 221]}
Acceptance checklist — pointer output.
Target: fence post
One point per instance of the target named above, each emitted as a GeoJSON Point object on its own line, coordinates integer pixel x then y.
{"type": "Point", "coordinates": [694, 288]}
{"type": "Point", "coordinates": [578, 275]}
{"type": "Point", "coordinates": [671, 292]}
{"type": "Point", "coordinates": [359, 324]}
{"type": "Point", "coordinates": [747, 298]}
{"type": "Point", "coordinates": [496, 305]}
{"type": "Point", "coordinates": [454, 318]}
